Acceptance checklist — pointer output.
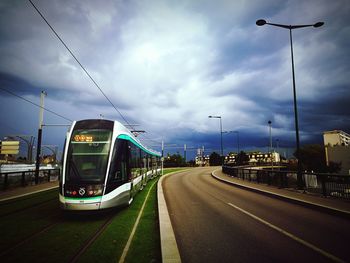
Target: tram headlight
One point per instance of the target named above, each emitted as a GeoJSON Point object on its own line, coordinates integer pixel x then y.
{"type": "Point", "coordinates": [95, 190]}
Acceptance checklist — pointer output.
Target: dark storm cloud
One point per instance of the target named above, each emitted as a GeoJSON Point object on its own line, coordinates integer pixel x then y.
{"type": "Point", "coordinates": [167, 66]}
{"type": "Point", "coordinates": [16, 85]}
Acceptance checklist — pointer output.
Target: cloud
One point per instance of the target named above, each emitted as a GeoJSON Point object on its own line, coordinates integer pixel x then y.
{"type": "Point", "coordinates": [167, 65]}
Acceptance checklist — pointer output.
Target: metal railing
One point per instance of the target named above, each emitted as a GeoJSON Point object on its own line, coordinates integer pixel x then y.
{"type": "Point", "coordinates": [24, 178]}
{"type": "Point", "coordinates": [323, 184]}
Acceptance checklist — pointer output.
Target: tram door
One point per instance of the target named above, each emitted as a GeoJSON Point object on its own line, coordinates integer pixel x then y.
{"type": "Point", "coordinates": [118, 173]}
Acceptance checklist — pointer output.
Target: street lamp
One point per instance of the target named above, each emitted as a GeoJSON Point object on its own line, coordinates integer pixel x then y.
{"type": "Point", "coordinates": [262, 22]}
{"type": "Point", "coordinates": [270, 146]}
{"type": "Point", "coordinates": [222, 149]}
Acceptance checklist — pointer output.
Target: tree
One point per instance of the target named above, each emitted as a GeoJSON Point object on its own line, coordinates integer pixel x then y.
{"type": "Point", "coordinates": [191, 163]}
{"type": "Point", "coordinates": [214, 159]}
{"type": "Point", "coordinates": [174, 160]}
{"type": "Point", "coordinates": [242, 158]}
{"type": "Point", "coordinates": [313, 158]}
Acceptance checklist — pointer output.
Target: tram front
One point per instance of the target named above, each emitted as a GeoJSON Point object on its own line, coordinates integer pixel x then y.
{"type": "Point", "coordinates": [85, 164]}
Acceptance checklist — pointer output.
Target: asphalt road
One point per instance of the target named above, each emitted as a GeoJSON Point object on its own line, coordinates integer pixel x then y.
{"type": "Point", "coordinates": [217, 222]}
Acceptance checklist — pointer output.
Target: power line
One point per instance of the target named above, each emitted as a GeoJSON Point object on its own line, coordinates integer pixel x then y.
{"type": "Point", "coordinates": [86, 72]}
{"type": "Point", "coordinates": [59, 115]}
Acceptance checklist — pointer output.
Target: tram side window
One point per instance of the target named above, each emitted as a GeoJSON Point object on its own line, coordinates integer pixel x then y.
{"type": "Point", "coordinates": [149, 162]}
{"type": "Point", "coordinates": [118, 172]}
{"type": "Point", "coordinates": [135, 160]}
{"type": "Point", "coordinates": [154, 163]}
{"type": "Point", "coordinates": [159, 162]}
{"type": "Point", "coordinates": [144, 162]}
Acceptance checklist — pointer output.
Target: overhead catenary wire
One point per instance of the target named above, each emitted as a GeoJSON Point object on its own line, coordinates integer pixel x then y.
{"type": "Point", "coordinates": [22, 98]}
{"type": "Point", "coordinates": [76, 59]}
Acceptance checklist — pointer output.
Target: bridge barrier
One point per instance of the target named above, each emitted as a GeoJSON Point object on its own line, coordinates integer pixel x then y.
{"type": "Point", "coordinates": [324, 184]}
{"type": "Point", "coordinates": [24, 178]}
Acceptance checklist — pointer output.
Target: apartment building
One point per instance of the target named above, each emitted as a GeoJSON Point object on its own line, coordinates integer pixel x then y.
{"type": "Point", "coordinates": [337, 149]}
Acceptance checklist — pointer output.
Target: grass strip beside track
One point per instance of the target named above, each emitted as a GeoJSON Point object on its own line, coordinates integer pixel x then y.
{"type": "Point", "coordinates": [109, 246]}
{"type": "Point", "coordinates": [19, 226]}
{"type": "Point", "coordinates": [145, 245]}
{"type": "Point", "coordinates": [62, 241]}
{"type": "Point", "coordinates": [131, 237]}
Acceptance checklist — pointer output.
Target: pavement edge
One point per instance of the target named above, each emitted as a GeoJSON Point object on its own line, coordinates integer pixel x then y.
{"type": "Point", "coordinates": [326, 209]}
{"type": "Point", "coordinates": [169, 248]}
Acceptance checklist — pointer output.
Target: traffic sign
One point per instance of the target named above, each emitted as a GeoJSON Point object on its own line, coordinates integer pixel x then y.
{"type": "Point", "coordinates": [9, 147]}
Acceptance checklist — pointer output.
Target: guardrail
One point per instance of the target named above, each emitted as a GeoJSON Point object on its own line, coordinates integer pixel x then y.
{"type": "Point", "coordinates": [324, 184]}
{"type": "Point", "coordinates": [24, 178]}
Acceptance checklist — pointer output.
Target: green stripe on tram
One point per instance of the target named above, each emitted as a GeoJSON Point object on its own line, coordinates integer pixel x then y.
{"type": "Point", "coordinates": [128, 138]}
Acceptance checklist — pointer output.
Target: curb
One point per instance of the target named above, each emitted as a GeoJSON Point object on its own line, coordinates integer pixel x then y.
{"type": "Point", "coordinates": [319, 207]}
{"type": "Point", "coordinates": [169, 248]}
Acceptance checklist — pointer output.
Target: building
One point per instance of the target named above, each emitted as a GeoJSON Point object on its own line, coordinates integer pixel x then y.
{"type": "Point", "coordinates": [259, 157]}
{"type": "Point", "coordinates": [230, 158]}
{"type": "Point", "coordinates": [337, 149]}
{"type": "Point", "coordinates": [255, 157]}
{"type": "Point", "coordinates": [336, 137]}
{"type": "Point", "coordinates": [201, 159]}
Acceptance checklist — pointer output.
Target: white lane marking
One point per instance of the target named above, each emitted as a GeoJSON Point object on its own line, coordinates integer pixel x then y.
{"type": "Point", "coordinates": [301, 241]}
{"type": "Point", "coordinates": [127, 246]}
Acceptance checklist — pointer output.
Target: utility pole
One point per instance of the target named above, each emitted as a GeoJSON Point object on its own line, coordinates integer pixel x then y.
{"type": "Point", "coordinates": [162, 157]}
{"type": "Point", "coordinates": [38, 149]}
{"type": "Point", "coordinates": [185, 148]}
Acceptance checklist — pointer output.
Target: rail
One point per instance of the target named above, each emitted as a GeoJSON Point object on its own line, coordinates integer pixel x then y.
{"type": "Point", "coordinates": [324, 184]}
{"type": "Point", "coordinates": [24, 178]}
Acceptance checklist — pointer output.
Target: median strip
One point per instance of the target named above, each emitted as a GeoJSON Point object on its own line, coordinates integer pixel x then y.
{"type": "Point", "coordinates": [127, 246]}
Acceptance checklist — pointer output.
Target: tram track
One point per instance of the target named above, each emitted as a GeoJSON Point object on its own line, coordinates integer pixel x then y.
{"type": "Point", "coordinates": [62, 235]}
{"type": "Point", "coordinates": [34, 235]}
{"type": "Point", "coordinates": [91, 240]}
{"type": "Point", "coordinates": [36, 205]}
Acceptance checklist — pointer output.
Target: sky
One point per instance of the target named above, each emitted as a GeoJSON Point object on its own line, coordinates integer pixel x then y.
{"type": "Point", "coordinates": [167, 65]}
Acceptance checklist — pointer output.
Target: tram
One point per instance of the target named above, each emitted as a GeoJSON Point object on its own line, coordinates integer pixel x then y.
{"type": "Point", "coordinates": [104, 166]}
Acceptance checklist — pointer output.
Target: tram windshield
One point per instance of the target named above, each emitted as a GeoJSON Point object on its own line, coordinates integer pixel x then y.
{"type": "Point", "coordinates": [88, 156]}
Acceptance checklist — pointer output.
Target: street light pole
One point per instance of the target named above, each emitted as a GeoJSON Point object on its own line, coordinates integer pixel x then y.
{"type": "Point", "coordinates": [222, 148]}
{"type": "Point", "coordinates": [262, 22]}
{"type": "Point", "coordinates": [270, 147]}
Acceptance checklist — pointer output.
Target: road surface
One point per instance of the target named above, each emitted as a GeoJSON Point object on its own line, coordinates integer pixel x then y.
{"type": "Point", "coordinates": [217, 222]}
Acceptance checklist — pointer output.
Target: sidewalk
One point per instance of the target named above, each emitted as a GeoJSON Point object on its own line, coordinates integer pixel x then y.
{"type": "Point", "coordinates": [328, 204]}
{"type": "Point", "coordinates": [23, 191]}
